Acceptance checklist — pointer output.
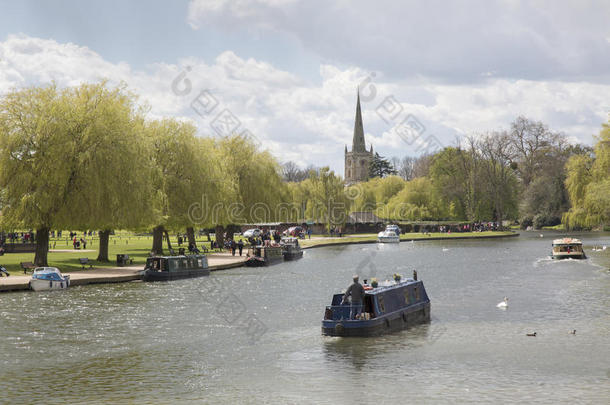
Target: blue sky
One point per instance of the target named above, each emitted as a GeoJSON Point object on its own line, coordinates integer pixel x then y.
{"type": "Point", "coordinates": [287, 70]}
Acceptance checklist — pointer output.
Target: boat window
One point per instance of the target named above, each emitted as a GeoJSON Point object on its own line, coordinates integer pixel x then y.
{"type": "Point", "coordinates": [406, 291]}
{"type": "Point", "coordinates": [381, 303]}
{"type": "Point", "coordinates": [416, 292]}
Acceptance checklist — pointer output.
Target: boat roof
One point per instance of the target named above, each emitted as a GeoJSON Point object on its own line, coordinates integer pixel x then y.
{"type": "Point", "coordinates": [382, 288]}
{"type": "Point", "coordinates": [175, 257]}
{"type": "Point", "coordinates": [46, 270]}
{"type": "Point", "coordinates": [567, 241]}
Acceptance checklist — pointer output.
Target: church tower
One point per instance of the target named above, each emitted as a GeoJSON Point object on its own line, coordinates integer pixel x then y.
{"type": "Point", "coordinates": [357, 161]}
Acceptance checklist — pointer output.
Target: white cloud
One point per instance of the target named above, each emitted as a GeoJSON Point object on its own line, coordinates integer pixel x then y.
{"type": "Point", "coordinates": [311, 123]}
{"type": "Point", "coordinates": [449, 41]}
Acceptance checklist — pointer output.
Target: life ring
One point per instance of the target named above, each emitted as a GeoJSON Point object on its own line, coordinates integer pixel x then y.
{"type": "Point", "coordinates": [339, 328]}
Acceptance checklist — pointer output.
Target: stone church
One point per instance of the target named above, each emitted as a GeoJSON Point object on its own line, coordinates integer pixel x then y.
{"type": "Point", "coordinates": [357, 161]}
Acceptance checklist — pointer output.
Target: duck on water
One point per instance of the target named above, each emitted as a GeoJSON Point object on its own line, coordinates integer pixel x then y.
{"type": "Point", "coordinates": [377, 309]}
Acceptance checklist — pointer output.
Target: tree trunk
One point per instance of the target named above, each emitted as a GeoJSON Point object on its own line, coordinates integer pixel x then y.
{"type": "Point", "coordinates": [169, 242]}
{"type": "Point", "coordinates": [190, 234]}
{"type": "Point", "coordinates": [157, 247]}
{"type": "Point", "coordinates": [220, 239]}
{"type": "Point", "coordinates": [102, 255]}
{"type": "Point", "coordinates": [42, 247]}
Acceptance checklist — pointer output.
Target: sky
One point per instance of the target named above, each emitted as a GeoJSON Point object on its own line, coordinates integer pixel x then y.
{"type": "Point", "coordinates": [286, 72]}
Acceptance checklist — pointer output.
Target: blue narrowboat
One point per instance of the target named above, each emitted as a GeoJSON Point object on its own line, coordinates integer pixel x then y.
{"type": "Point", "coordinates": [386, 308]}
{"type": "Point", "coordinates": [166, 268]}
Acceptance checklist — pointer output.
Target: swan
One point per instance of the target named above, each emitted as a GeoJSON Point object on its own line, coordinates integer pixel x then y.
{"type": "Point", "coordinates": [573, 332]}
{"type": "Point", "coordinates": [541, 235]}
{"type": "Point", "coordinates": [531, 334]}
{"type": "Point", "coordinates": [445, 249]}
{"type": "Point", "coordinates": [503, 304]}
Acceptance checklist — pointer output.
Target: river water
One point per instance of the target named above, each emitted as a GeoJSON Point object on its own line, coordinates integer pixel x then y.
{"type": "Point", "coordinates": [253, 335]}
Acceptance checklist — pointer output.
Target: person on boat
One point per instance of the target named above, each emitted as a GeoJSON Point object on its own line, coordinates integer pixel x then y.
{"type": "Point", "coordinates": [356, 291]}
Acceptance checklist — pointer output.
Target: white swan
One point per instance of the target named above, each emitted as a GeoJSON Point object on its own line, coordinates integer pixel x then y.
{"type": "Point", "coordinates": [503, 304]}
{"type": "Point", "coordinates": [541, 235]}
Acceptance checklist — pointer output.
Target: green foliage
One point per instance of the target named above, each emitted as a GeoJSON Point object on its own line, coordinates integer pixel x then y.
{"type": "Point", "coordinates": [588, 185]}
{"type": "Point", "coordinates": [380, 167]}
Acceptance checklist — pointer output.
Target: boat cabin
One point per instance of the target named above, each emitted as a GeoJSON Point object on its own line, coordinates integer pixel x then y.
{"type": "Point", "coordinates": [380, 301]}
{"type": "Point", "coordinates": [176, 263]}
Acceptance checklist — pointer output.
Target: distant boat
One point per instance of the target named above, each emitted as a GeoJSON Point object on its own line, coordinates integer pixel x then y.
{"type": "Point", "coordinates": [386, 308]}
{"type": "Point", "coordinates": [264, 255]}
{"type": "Point", "coordinates": [48, 278]}
{"type": "Point", "coordinates": [568, 248]}
{"type": "Point", "coordinates": [291, 249]}
{"type": "Point", "coordinates": [166, 268]}
{"type": "Point", "coordinates": [391, 234]}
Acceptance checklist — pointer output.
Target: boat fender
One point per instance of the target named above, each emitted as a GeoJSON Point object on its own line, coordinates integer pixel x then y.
{"type": "Point", "coordinates": [30, 285]}
{"type": "Point", "coordinates": [387, 323]}
{"type": "Point", "coordinates": [404, 316]}
{"type": "Point", "coordinates": [50, 284]}
{"type": "Point", "coordinates": [339, 328]}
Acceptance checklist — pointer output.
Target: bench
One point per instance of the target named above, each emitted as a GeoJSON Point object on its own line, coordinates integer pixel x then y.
{"type": "Point", "coordinates": [123, 259]}
{"type": "Point", "coordinates": [27, 266]}
{"type": "Point", "coordinates": [85, 261]}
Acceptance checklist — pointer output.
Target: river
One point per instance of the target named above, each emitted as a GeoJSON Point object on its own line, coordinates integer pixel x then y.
{"type": "Point", "coordinates": [253, 335]}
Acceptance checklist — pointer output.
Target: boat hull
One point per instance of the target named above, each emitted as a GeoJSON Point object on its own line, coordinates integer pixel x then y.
{"type": "Point", "coordinates": [44, 285]}
{"type": "Point", "coordinates": [388, 239]}
{"type": "Point", "coordinates": [174, 275]}
{"type": "Point", "coordinates": [293, 255]}
{"type": "Point", "coordinates": [392, 322]}
{"type": "Point", "coordinates": [259, 262]}
{"type": "Point", "coordinates": [569, 256]}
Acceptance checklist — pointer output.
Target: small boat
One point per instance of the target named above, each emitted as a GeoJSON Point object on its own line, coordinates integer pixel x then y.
{"type": "Point", "coordinates": [166, 268]}
{"type": "Point", "coordinates": [386, 308]}
{"type": "Point", "coordinates": [568, 248]}
{"type": "Point", "coordinates": [48, 278]}
{"type": "Point", "coordinates": [388, 236]}
{"type": "Point", "coordinates": [291, 249]}
{"type": "Point", "coordinates": [264, 255]}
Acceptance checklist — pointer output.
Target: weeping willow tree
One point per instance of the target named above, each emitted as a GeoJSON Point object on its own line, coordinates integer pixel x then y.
{"type": "Point", "coordinates": [254, 191]}
{"type": "Point", "coordinates": [183, 174]}
{"type": "Point", "coordinates": [70, 158]}
{"type": "Point", "coordinates": [588, 185]}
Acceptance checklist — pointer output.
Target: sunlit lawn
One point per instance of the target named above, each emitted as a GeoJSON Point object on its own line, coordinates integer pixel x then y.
{"type": "Point", "coordinates": [138, 248]}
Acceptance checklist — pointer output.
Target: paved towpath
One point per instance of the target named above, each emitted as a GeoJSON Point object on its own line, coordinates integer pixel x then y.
{"type": "Point", "coordinates": [216, 261]}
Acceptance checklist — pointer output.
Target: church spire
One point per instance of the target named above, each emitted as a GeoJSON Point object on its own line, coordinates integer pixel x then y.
{"type": "Point", "coordinates": [358, 141]}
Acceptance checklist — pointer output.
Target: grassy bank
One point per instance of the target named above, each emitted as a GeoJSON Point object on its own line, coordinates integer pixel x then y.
{"type": "Point", "coordinates": [404, 237]}
{"type": "Point", "coordinates": [64, 257]}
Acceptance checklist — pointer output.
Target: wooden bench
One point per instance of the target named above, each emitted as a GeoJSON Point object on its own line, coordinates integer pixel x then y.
{"type": "Point", "coordinates": [85, 261]}
{"type": "Point", "coordinates": [27, 266]}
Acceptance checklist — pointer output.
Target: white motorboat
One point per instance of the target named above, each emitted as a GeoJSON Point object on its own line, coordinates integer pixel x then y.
{"type": "Point", "coordinates": [388, 237]}
{"type": "Point", "coordinates": [48, 278]}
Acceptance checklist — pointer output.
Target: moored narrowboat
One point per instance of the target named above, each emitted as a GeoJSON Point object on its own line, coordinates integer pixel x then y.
{"type": "Point", "coordinates": [264, 255]}
{"type": "Point", "coordinates": [386, 308]}
{"type": "Point", "coordinates": [291, 249]}
{"type": "Point", "coordinates": [166, 268]}
{"type": "Point", "coordinates": [568, 248]}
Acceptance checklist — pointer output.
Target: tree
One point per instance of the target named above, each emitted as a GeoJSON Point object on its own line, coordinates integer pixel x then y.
{"type": "Point", "coordinates": [588, 185]}
{"type": "Point", "coordinates": [183, 175]}
{"type": "Point", "coordinates": [328, 202]}
{"type": "Point", "coordinates": [54, 157]}
{"type": "Point", "coordinates": [380, 167]}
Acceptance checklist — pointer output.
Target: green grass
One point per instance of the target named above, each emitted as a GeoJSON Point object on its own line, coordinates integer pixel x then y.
{"type": "Point", "coordinates": [137, 247]}
{"type": "Point", "coordinates": [406, 236]}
